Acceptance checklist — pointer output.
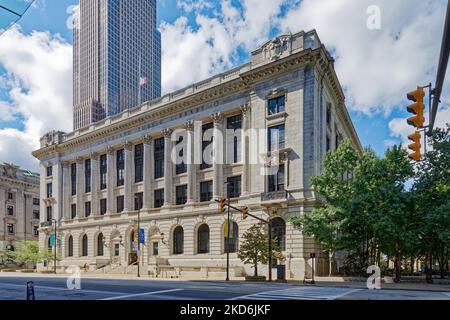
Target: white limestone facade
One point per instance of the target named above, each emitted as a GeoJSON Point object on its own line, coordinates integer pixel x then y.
{"type": "Point", "coordinates": [108, 175]}
{"type": "Point", "coordinates": [19, 205]}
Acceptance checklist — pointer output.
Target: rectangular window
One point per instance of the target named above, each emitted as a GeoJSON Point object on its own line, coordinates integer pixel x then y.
{"type": "Point", "coordinates": [207, 138]}
{"type": "Point", "coordinates": [73, 209]}
{"type": "Point", "coordinates": [276, 181]}
{"type": "Point", "coordinates": [87, 175]}
{"type": "Point", "coordinates": [276, 138]}
{"type": "Point", "coordinates": [49, 214]}
{"type": "Point", "coordinates": [159, 158]}
{"type": "Point", "coordinates": [10, 228]}
{"type": "Point", "coordinates": [328, 113]}
{"type": "Point", "coordinates": [138, 163]}
{"type": "Point", "coordinates": [277, 105]}
{"type": "Point", "coordinates": [234, 187]}
{"type": "Point", "coordinates": [181, 194]}
{"type": "Point", "coordinates": [116, 250]}
{"type": "Point", "coordinates": [181, 168]}
{"type": "Point", "coordinates": [36, 231]}
{"type": "Point", "coordinates": [49, 171]}
{"type": "Point", "coordinates": [206, 191]}
{"type": "Point", "coordinates": [234, 140]}
{"type": "Point", "coordinates": [155, 249]}
{"type": "Point", "coordinates": [73, 178]}
{"type": "Point", "coordinates": [103, 171]}
{"type": "Point", "coordinates": [138, 201]}
{"type": "Point", "coordinates": [159, 198]}
{"type": "Point", "coordinates": [36, 215]}
{"type": "Point", "coordinates": [87, 209]}
{"type": "Point", "coordinates": [49, 190]}
{"type": "Point", "coordinates": [10, 210]}
{"type": "Point", "coordinates": [36, 201]}
{"type": "Point", "coordinates": [120, 204]}
{"type": "Point", "coordinates": [120, 167]}
{"type": "Point", "coordinates": [10, 196]}
{"type": "Point", "coordinates": [102, 207]}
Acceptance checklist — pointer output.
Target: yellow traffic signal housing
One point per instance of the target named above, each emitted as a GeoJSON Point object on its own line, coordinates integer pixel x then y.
{"type": "Point", "coordinates": [417, 108]}
{"type": "Point", "coordinates": [222, 204]}
{"type": "Point", "coordinates": [416, 146]}
{"type": "Point", "coordinates": [244, 213]}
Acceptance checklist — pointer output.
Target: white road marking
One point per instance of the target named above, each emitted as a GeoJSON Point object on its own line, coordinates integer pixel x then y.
{"type": "Point", "coordinates": [300, 293]}
{"type": "Point", "coordinates": [141, 294]}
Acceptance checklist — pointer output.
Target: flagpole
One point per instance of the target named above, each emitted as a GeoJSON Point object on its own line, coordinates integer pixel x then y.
{"type": "Point", "coordinates": [139, 79]}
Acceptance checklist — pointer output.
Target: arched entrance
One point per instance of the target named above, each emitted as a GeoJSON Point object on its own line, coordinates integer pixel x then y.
{"type": "Point", "coordinates": [133, 247]}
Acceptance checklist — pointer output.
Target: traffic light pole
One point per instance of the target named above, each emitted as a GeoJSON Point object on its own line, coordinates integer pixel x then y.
{"type": "Point", "coordinates": [139, 244]}
{"type": "Point", "coordinates": [268, 222]}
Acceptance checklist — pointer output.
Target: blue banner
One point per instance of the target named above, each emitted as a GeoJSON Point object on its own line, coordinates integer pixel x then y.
{"type": "Point", "coordinates": [142, 236]}
{"type": "Point", "coordinates": [52, 240]}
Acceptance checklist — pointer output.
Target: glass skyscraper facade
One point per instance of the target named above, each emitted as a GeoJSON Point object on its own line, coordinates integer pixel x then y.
{"type": "Point", "coordinates": [117, 58]}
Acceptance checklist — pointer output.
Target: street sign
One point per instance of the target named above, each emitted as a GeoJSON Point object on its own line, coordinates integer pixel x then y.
{"type": "Point", "coordinates": [142, 236]}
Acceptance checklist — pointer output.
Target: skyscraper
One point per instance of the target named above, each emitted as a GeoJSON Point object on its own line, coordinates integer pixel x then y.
{"type": "Point", "coordinates": [117, 58]}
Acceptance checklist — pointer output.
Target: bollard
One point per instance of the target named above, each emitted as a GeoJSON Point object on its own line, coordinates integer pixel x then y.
{"type": "Point", "coordinates": [30, 291]}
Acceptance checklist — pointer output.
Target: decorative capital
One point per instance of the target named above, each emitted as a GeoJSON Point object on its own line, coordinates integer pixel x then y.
{"type": "Point", "coordinates": [110, 150]}
{"type": "Point", "coordinates": [94, 156]}
{"type": "Point", "coordinates": [245, 109]}
{"type": "Point", "coordinates": [167, 132]}
{"type": "Point", "coordinates": [217, 118]}
{"type": "Point", "coordinates": [65, 164]}
{"type": "Point", "coordinates": [190, 125]}
{"type": "Point", "coordinates": [127, 145]}
{"type": "Point", "coordinates": [147, 139]}
{"type": "Point", "coordinates": [80, 160]}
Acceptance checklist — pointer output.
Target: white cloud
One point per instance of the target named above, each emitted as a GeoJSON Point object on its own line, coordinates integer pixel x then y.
{"type": "Point", "coordinates": [400, 128]}
{"type": "Point", "coordinates": [377, 67]}
{"type": "Point", "coordinates": [194, 5]}
{"type": "Point", "coordinates": [39, 72]}
{"type": "Point", "coordinates": [190, 55]}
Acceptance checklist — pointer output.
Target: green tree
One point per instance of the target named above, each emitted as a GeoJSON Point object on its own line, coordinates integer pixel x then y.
{"type": "Point", "coordinates": [255, 247]}
{"type": "Point", "coordinates": [432, 199]}
{"type": "Point", "coordinates": [6, 256]}
{"type": "Point", "coordinates": [27, 252]}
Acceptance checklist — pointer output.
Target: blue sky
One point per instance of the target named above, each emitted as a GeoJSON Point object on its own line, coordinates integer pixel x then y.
{"type": "Point", "coordinates": [375, 68]}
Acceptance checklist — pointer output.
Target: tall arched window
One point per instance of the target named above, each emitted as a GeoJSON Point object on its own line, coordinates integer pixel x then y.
{"type": "Point", "coordinates": [70, 247]}
{"type": "Point", "coordinates": [279, 231]}
{"type": "Point", "coordinates": [84, 246]}
{"type": "Point", "coordinates": [178, 240]}
{"type": "Point", "coordinates": [234, 238]}
{"type": "Point", "coordinates": [203, 239]}
{"type": "Point", "coordinates": [100, 245]}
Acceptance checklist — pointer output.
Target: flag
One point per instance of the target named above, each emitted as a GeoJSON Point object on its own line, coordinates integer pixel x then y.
{"type": "Point", "coordinates": [142, 236]}
{"type": "Point", "coordinates": [143, 81]}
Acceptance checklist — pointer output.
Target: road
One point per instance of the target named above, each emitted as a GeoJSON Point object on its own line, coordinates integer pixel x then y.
{"type": "Point", "coordinates": [55, 288]}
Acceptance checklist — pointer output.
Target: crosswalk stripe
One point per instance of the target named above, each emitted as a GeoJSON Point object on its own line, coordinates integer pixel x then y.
{"type": "Point", "coordinates": [301, 293]}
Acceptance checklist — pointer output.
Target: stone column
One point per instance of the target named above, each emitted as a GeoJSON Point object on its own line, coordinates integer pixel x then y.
{"type": "Point", "coordinates": [111, 181]}
{"type": "Point", "coordinates": [147, 202]}
{"type": "Point", "coordinates": [245, 149]}
{"type": "Point", "coordinates": [80, 187]}
{"type": "Point", "coordinates": [191, 167]}
{"type": "Point", "coordinates": [218, 159]}
{"type": "Point", "coordinates": [167, 167]}
{"type": "Point", "coordinates": [128, 199]}
{"type": "Point", "coordinates": [95, 180]}
{"type": "Point", "coordinates": [67, 196]}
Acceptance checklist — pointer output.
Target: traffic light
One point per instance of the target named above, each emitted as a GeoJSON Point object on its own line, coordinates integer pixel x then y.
{"type": "Point", "coordinates": [244, 213]}
{"type": "Point", "coordinates": [415, 146]}
{"type": "Point", "coordinates": [222, 204]}
{"type": "Point", "coordinates": [417, 108]}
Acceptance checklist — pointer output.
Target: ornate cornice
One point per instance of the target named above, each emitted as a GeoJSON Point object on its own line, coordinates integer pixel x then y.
{"type": "Point", "coordinates": [156, 110]}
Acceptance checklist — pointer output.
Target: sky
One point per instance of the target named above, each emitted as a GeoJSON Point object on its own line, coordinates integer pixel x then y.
{"type": "Point", "coordinates": [383, 49]}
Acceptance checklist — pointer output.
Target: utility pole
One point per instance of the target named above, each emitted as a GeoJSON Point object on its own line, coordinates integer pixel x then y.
{"type": "Point", "coordinates": [55, 244]}
{"type": "Point", "coordinates": [228, 241]}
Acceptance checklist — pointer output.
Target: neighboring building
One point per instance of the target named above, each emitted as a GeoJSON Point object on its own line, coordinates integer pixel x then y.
{"type": "Point", "coordinates": [19, 205]}
{"type": "Point", "coordinates": [288, 94]}
{"type": "Point", "coordinates": [116, 60]}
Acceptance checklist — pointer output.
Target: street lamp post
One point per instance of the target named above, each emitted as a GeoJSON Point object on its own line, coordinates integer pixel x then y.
{"type": "Point", "coordinates": [139, 243]}
{"type": "Point", "coordinates": [55, 244]}
{"type": "Point", "coordinates": [227, 243]}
